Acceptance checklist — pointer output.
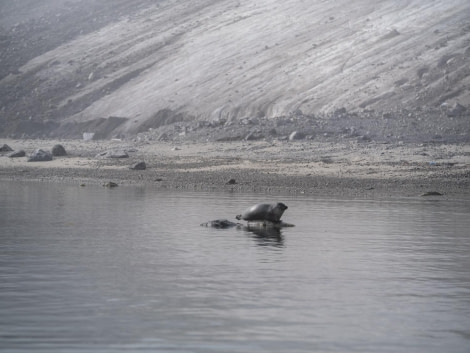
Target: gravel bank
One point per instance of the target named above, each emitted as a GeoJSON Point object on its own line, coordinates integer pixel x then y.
{"type": "Point", "coordinates": [349, 169]}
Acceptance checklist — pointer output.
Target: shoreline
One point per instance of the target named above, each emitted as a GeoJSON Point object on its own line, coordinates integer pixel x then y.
{"type": "Point", "coordinates": [346, 169]}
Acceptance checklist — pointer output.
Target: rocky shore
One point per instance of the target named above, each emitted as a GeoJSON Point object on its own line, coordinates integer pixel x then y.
{"type": "Point", "coordinates": [344, 169]}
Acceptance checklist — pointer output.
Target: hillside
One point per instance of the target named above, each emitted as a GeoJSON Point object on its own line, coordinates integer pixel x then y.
{"type": "Point", "coordinates": [120, 67]}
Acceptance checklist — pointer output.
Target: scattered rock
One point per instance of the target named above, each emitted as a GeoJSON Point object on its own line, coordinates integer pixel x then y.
{"type": "Point", "coordinates": [456, 110]}
{"type": "Point", "coordinates": [296, 135]}
{"type": "Point", "coordinates": [254, 135]}
{"type": "Point", "coordinates": [6, 148]}
{"type": "Point", "coordinates": [139, 166]}
{"type": "Point", "coordinates": [58, 151]}
{"type": "Point", "coordinates": [113, 154]}
{"type": "Point", "coordinates": [431, 193]}
{"type": "Point", "coordinates": [231, 182]}
{"type": "Point", "coordinates": [272, 132]}
{"type": "Point", "coordinates": [16, 154]}
{"type": "Point", "coordinates": [40, 156]}
{"type": "Point", "coordinates": [163, 137]}
{"type": "Point", "coordinates": [363, 138]}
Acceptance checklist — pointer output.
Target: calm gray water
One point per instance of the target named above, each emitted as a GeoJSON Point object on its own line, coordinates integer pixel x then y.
{"type": "Point", "coordinates": [129, 269]}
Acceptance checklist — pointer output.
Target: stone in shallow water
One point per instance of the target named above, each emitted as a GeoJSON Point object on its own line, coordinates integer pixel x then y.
{"type": "Point", "coordinates": [40, 155]}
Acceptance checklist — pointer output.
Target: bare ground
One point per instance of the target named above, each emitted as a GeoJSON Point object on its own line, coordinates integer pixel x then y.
{"type": "Point", "coordinates": [351, 169]}
{"type": "Point", "coordinates": [68, 67]}
{"type": "Point", "coordinates": [209, 91]}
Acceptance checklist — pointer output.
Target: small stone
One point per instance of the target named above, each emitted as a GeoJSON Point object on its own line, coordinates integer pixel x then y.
{"type": "Point", "coordinates": [139, 166]}
{"type": "Point", "coordinates": [110, 184]}
{"type": "Point", "coordinates": [231, 182]}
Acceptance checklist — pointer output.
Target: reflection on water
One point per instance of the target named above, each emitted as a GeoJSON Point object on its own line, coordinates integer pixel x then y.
{"type": "Point", "coordinates": [97, 269]}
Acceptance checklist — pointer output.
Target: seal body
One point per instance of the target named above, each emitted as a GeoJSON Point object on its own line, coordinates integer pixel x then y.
{"type": "Point", "coordinates": [264, 212]}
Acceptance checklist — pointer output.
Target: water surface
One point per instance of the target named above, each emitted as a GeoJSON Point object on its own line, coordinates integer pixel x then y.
{"type": "Point", "coordinates": [130, 269]}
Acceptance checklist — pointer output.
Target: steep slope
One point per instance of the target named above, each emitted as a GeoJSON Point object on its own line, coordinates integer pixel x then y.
{"type": "Point", "coordinates": [159, 62]}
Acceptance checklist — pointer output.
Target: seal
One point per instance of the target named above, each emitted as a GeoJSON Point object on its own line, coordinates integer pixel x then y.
{"type": "Point", "coordinates": [263, 212]}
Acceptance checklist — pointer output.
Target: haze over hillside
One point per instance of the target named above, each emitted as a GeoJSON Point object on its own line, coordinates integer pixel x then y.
{"type": "Point", "coordinates": [149, 62]}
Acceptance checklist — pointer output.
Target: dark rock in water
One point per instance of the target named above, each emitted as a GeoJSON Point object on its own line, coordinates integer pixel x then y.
{"type": "Point", "coordinates": [220, 224]}
{"type": "Point", "coordinates": [231, 182]}
{"type": "Point", "coordinates": [113, 154]}
{"type": "Point", "coordinates": [110, 184]}
{"type": "Point", "coordinates": [6, 148]}
{"type": "Point", "coordinates": [40, 156]}
{"type": "Point", "coordinates": [58, 150]}
{"type": "Point", "coordinates": [296, 135]}
{"type": "Point", "coordinates": [139, 166]}
{"type": "Point", "coordinates": [16, 154]}
{"type": "Point", "coordinates": [431, 193]}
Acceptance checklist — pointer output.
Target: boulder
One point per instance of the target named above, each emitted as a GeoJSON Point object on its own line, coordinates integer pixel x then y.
{"type": "Point", "coordinates": [58, 150]}
{"type": "Point", "coordinates": [6, 148]}
{"type": "Point", "coordinates": [40, 156]}
{"type": "Point", "coordinates": [16, 154]}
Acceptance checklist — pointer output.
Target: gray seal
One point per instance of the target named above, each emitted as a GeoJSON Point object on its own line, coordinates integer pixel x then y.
{"type": "Point", "coordinates": [271, 212]}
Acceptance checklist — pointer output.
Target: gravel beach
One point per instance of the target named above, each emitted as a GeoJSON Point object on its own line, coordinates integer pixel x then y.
{"type": "Point", "coordinates": [348, 169]}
